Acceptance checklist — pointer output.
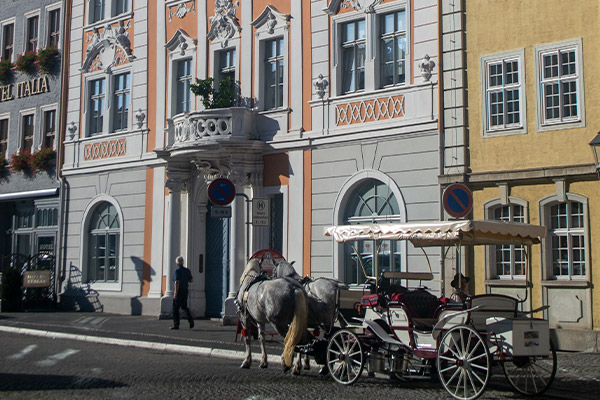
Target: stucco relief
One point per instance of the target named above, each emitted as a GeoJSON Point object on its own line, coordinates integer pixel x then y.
{"type": "Point", "coordinates": [370, 110]}
{"type": "Point", "coordinates": [105, 149]}
{"type": "Point", "coordinates": [367, 6]}
{"type": "Point", "coordinates": [224, 24]}
{"type": "Point", "coordinates": [181, 10]}
{"type": "Point", "coordinates": [108, 48]}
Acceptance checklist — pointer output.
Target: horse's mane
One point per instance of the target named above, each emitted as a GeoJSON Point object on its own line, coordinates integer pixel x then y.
{"type": "Point", "coordinates": [252, 265]}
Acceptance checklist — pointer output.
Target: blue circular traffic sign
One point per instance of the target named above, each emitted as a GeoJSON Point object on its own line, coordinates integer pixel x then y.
{"type": "Point", "coordinates": [221, 191]}
{"type": "Point", "coordinates": [458, 200]}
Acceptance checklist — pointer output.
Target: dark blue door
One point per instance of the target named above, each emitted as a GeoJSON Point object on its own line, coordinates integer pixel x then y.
{"type": "Point", "coordinates": [217, 264]}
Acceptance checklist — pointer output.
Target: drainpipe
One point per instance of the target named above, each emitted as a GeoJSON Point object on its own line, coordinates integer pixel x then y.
{"type": "Point", "coordinates": [62, 124]}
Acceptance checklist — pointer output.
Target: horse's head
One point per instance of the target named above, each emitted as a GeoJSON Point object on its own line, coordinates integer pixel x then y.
{"type": "Point", "coordinates": [285, 269]}
{"type": "Point", "coordinates": [252, 270]}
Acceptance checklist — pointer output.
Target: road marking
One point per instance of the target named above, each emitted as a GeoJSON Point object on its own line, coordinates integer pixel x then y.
{"type": "Point", "coordinates": [22, 353]}
{"type": "Point", "coordinates": [53, 360]}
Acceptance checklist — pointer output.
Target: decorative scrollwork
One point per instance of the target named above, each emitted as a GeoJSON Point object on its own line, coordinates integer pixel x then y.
{"type": "Point", "coordinates": [191, 129]}
{"type": "Point", "coordinates": [108, 48]}
{"type": "Point", "coordinates": [182, 10]}
{"type": "Point", "coordinates": [106, 149]}
{"type": "Point", "coordinates": [224, 24]}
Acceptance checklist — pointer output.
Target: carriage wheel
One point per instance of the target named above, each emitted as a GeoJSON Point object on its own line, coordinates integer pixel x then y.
{"type": "Point", "coordinates": [345, 358]}
{"type": "Point", "coordinates": [531, 376]}
{"type": "Point", "coordinates": [463, 363]}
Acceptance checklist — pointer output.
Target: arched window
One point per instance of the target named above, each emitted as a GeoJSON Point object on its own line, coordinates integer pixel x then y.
{"type": "Point", "coordinates": [371, 202]}
{"type": "Point", "coordinates": [103, 244]}
{"type": "Point", "coordinates": [509, 259]}
{"type": "Point", "coordinates": [567, 233]}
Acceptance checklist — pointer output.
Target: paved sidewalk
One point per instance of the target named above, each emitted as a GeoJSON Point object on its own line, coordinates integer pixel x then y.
{"type": "Point", "coordinates": [208, 337]}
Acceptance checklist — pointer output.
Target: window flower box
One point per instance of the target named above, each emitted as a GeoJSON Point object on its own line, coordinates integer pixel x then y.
{"type": "Point", "coordinates": [19, 162]}
{"type": "Point", "coordinates": [6, 71]}
{"type": "Point", "coordinates": [26, 63]}
{"type": "Point", "coordinates": [47, 60]}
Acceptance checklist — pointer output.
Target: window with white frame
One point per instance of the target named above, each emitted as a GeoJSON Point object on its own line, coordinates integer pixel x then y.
{"type": "Point", "coordinates": [273, 74]}
{"type": "Point", "coordinates": [227, 63]}
{"type": "Point", "coordinates": [121, 99]}
{"type": "Point", "coordinates": [8, 39]}
{"type": "Point", "coordinates": [101, 9]}
{"type": "Point", "coordinates": [103, 244]}
{"type": "Point", "coordinates": [27, 125]}
{"type": "Point", "coordinates": [502, 84]}
{"type": "Point", "coordinates": [31, 36]}
{"type": "Point", "coordinates": [509, 260]}
{"type": "Point", "coordinates": [183, 79]}
{"type": "Point", "coordinates": [97, 88]}
{"type": "Point", "coordinates": [53, 26]}
{"type": "Point", "coordinates": [393, 48]}
{"type": "Point", "coordinates": [4, 137]}
{"type": "Point", "coordinates": [567, 238]}
{"type": "Point", "coordinates": [49, 132]}
{"type": "Point", "coordinates": [353, 55]}
{"type": "Point", "coordinates": [560, 74]}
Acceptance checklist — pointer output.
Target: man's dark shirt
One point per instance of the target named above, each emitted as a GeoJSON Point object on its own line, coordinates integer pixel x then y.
{"type": "Point", "coordinates": [183, 275]}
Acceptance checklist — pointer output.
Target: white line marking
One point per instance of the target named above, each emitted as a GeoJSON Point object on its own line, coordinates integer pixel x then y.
{"type": "Point", "coordinates": [53, 360]}
{"type": "Point", "coordinates": [22, 353]}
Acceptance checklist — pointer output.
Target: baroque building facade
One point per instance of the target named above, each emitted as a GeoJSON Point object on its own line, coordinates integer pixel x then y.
{"type": "Point", "coordinates": [333, 120]}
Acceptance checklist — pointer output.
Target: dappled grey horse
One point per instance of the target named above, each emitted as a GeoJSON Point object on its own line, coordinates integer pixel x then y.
{"type": "Point", "coordinates": [281, 302]}
{"type": "Point", "coordinates": [322, 301]}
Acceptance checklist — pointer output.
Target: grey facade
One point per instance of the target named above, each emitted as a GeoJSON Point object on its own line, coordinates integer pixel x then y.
{"type": "Point", "coordinates": [29, 119]}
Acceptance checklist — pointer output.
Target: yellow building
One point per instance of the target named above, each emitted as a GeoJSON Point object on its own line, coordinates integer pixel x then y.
{"type": "Point", "coordinates": [518, 129]}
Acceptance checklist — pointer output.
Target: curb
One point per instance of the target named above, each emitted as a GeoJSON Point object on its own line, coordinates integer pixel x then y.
{"type": "Point", "coordinates": [174, 348]}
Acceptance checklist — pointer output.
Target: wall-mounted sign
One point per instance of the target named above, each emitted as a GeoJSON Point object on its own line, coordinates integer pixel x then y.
{"type": "Point", "coordinates": [458, 200]}
{"type": "Point", "coordinates": [24, 89]}
{"type": "Point", "coordinates": [221, 192]}
{"type": "Point", "coordinates": [260, 212]}
{"type": "Point", "coordinates": [220, 212]}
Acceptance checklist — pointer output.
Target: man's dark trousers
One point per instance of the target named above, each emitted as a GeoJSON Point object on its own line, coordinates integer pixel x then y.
{"type": "Point", "coordinates": [181, 302]}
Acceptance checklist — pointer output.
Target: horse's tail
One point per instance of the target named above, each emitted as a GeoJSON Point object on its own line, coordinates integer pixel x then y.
{"type": "Point", "coordinates": [297, 327]}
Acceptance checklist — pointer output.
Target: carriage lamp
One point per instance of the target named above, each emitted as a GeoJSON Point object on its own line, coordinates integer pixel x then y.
{"type": "Point", "coordinates": [595, 145]}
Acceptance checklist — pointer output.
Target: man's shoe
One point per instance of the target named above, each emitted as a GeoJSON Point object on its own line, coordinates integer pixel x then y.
{"type": "Point", "coordinates": [174, 327]}
{"type": "Point", "coordinates": [191, 323]}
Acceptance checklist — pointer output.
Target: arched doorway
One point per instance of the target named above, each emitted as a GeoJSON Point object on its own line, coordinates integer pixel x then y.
{"type": "Point", "coordinates": [217, 264]}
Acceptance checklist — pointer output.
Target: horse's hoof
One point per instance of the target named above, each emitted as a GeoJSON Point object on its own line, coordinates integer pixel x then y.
{"type": "Point", "coordinates": [324, 370]}
{"type": "Point", "coordinates": [286, 369]}
{"type": "Point", "coordinates": [245, 366]}
{"type": "Point", "coordinates": [263, 365]}
{"type": "Point", "coordinates": [295, 372]}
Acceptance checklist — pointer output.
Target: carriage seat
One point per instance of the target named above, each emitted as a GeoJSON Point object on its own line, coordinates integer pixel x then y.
{"type": "Point", "coordinates": [421, 306]}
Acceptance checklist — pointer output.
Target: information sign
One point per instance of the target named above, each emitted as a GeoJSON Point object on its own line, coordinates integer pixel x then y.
{"type": "Point", "coordinates": [260, 212]}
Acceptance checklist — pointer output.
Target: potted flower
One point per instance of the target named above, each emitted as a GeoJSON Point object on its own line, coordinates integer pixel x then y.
{"type": "Point", "coordinates": [6, 70]}
{"type": "Point", "coordinates": [19, 162]}
{"type": "Point", "coordinates": [47, 59]}
{"type": "Point", "coordinates": [26, 62]}
{"type": "Point", "coordinates": [40, 159]}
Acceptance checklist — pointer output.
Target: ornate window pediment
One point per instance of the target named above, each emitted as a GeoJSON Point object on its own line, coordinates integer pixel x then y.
{"type": "Point", "coordinates": [367, 6]}
{"type": "Point", "coordinates": [181, 42]}
{"type": "Point", "coordinates": [108, 48]}
{"type": "Point", "coordinates": [224, 24]}
{"type": "Point", "coordinates": [270, 18]}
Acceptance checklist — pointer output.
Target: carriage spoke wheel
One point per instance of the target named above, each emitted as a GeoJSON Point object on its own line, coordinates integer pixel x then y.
{"type": "Point", "coordinates": [531, 376]}
{"type": "Point", "coordinates": [345, 358]}
{"type": "Point", "coordinates": [463, 363]}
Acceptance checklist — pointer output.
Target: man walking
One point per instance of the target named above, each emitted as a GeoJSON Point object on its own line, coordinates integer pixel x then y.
{"type": "Point", "coordinates": [183, 277]}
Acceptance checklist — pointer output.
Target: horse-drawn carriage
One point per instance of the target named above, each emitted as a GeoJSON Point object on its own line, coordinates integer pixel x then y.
{"type": "Point", "coordinates": [411, 333]}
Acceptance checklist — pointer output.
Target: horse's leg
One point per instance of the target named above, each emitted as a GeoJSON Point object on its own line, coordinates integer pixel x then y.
{"type": "Point", "coordinates": [246, 327]}
{"type": "Point", "coordinates": [261, 336]}
{"type": "Point", "coordinates": [297, 365]}
{"type": "Point", "coordinates": [306, 362]}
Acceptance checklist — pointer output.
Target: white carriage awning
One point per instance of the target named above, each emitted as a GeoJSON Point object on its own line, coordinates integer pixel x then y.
{"type": "Point", "coordinates": [443, 233]}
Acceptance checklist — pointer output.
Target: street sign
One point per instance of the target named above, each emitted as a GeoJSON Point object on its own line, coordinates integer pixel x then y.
{"type": "Point", "coordinates": [221, 192]}
{"type": "Point", "coordinates": [458, 200]}
{"type": "Point", "coordinates": [36, 278]}
{"type": "Point", "coordinates": [220, 212]}
{"type": "Point", "coordinates": [260, 212]}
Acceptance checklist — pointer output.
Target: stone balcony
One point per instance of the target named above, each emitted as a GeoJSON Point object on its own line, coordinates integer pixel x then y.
{"type": "Point", "coordinates": [210, 127]}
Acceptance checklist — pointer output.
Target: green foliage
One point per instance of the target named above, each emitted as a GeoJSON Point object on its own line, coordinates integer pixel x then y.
{"type": "Point", "coordinates": [47, 59]}
{"type": "Point", "coordinates": [26, 62]}
{"type": "Point", "coordinates": [6, 70]}
{"type": "Point", "coordinates": [39, 160]}
{"type": "Point", "coordinates": [19, 162]}
{"type": "Point", "coordinates": [223, 98]}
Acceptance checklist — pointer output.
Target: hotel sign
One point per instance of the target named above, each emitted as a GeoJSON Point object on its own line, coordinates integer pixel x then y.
{"type": "Point", "coordinates": [36, 279]}
{"type": "Point", "coordinates": [23, 89]}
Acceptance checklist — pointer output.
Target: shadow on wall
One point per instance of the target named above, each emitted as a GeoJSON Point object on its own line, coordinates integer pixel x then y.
{"type": "Point", "coordinates": [145, 275]}
{"type": "Point", "coordinates": [78, 296]}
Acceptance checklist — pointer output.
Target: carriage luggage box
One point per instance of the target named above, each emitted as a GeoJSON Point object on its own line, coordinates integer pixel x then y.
{"type": "Point", "coordinates": [520, 337]}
